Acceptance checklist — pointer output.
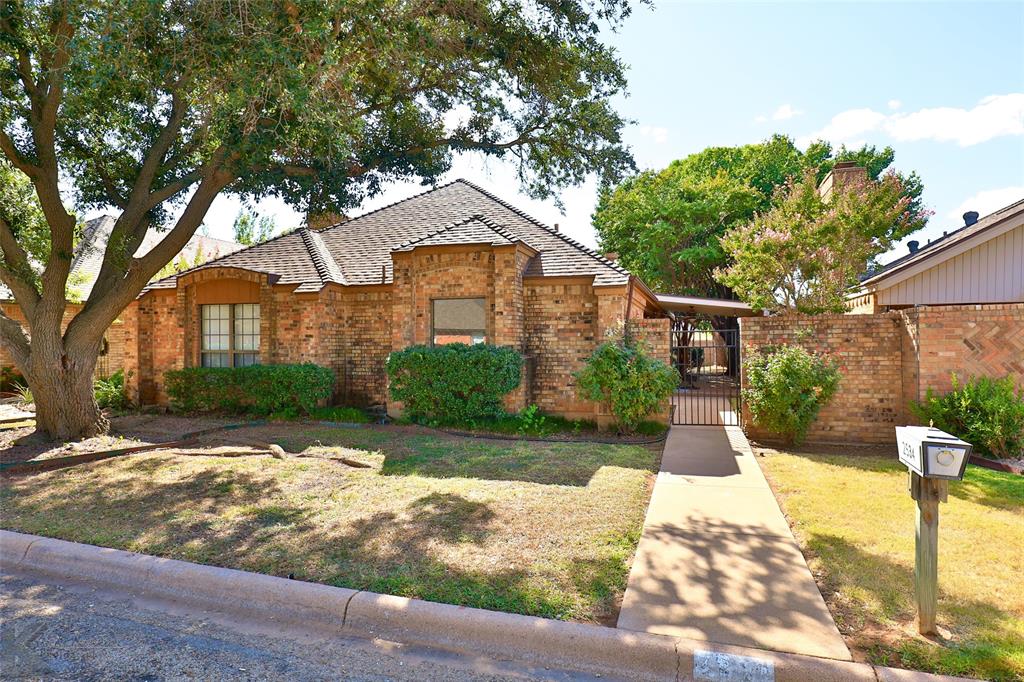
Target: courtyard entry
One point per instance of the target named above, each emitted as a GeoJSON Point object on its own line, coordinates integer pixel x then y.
{"type": "Point", "coordinates": [708, 361]}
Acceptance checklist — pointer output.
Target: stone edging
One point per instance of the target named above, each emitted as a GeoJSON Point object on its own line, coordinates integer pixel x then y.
{"type": "Point", "coordinates": [336, 611]}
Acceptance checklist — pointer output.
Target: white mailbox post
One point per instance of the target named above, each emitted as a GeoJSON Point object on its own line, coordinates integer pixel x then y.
{"type": "Point", "coordinates": [933, 457]}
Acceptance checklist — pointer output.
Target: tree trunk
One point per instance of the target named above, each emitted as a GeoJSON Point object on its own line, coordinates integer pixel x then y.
{"type": "Point", "coordinates": [62, 389]}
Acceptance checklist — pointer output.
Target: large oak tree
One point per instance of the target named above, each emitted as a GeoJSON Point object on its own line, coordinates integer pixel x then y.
{"type": "Point", "coordinates": [156, 108]}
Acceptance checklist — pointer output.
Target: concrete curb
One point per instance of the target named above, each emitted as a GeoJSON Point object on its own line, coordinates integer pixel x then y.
{"type": "Point", "coordinates": [340, 611]}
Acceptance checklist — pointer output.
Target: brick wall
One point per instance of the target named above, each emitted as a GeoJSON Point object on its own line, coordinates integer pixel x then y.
{"type": "Point", "coordinates": [889, 359]}
{"type": "Point", "coordinates": [561, 333]}
{"type": "Point", "coordinates": [982, 340]}
{"type": "Point", "coordinates": [556, 323]}
{"type": "Point", "coordinates": [867, 349]}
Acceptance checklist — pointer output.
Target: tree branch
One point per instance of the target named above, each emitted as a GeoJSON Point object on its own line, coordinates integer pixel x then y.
{"type": "Point", "coordinates": [101, 310]}
{"type": "Point", "coordinates": [159, 148]}
{"type": "Point", "coordinates": [12, 154]}
{"type": "Point", "coordinates": [16, 263]}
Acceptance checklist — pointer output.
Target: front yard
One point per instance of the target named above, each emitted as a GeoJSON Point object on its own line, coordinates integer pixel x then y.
{"type": "Point", "coordinates": [546, 529]}
{"type": "Point", "coordinates": [854, 519]}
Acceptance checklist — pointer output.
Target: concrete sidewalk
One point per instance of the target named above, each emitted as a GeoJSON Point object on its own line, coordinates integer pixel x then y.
{"type": "Point", "coordinates": [717, 560]}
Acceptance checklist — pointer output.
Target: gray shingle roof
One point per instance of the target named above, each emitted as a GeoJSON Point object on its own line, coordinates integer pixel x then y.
{"type": "Point", "coordinates": [459, 212]}
{"type": "Point", "coordinates": [474, 230]}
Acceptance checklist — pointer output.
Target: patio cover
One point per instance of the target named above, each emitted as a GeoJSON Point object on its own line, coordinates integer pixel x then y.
{"type": "Point", "coordinates": [696, 305]}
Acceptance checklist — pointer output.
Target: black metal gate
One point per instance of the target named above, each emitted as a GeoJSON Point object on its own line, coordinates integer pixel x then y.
{"type": "Point", "coordinates": [708, 361]}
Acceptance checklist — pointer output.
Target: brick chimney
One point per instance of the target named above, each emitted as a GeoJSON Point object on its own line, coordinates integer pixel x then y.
{"type": "Point", "coordinates": [843, 174]}
{"type": "Point", "coordinates": [319, 221]}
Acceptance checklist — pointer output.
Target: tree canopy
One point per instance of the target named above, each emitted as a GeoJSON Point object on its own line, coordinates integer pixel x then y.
{"type": "Point", "coordinates": [804, 253]}
{"type": "Point", "coordinates": [155, 108]}
{"type": "Point", "coordinates": [667, 225]}
{"type": "Point", "coordinates": [250, 228]}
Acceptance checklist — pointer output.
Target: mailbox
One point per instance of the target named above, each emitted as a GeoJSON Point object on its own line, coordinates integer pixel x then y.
{"type": "Point", "coordinates": [932, 453]}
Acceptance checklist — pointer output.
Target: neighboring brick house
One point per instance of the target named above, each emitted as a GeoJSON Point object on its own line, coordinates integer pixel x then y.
{"type": "Point", "coordinates": [451, 264]}
{"type": "Point", "coordinates": [85, 267]}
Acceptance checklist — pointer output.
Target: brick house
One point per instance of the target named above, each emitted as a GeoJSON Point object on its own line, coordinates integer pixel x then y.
{"type": "Point", "coordinates": [452, 264]}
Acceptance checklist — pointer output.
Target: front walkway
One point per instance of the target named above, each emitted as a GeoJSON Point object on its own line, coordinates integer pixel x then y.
{"type": "Point", "coordinates": [717, 560]}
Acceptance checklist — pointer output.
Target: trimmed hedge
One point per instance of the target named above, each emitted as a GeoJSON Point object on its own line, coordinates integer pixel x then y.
{"type": "Point", "coordinates": [453, 382]}
{"type": "Point", "coordinates": [258, 389]}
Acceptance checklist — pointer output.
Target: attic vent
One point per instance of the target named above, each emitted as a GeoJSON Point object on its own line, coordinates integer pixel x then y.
{"type": "Point", "coordinates": [970, 218]}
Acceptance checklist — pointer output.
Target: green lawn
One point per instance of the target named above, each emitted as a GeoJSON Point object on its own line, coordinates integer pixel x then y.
{"type": "Point", "coordinates": [855, 521]}
{"type": "Point", "coordinates": [547, 529]}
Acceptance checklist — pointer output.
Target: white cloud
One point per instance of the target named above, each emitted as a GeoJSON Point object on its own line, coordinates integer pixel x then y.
{"type": "Point", "coordinates": [846, 126]}
{"type": "Point", "coordinates": [987, 201]}
{"type": "Point", "coordinates": [994, 116]}
{"type": "Point", "coordinates": [786, 112]}
{"type": "Point", "coordinates": [656, 133]}
{"type": "Point", "coordinates": [895, 104]}
{"type": "Point", "coordinates": [783, 113]}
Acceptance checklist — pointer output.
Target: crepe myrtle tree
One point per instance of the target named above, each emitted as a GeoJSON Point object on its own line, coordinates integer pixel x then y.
{"type": "Point", "coordinates": [156, 108]}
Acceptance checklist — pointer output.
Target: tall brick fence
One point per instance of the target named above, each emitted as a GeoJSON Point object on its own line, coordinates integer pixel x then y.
{"type": "Point", "coordinates": [888, 360]}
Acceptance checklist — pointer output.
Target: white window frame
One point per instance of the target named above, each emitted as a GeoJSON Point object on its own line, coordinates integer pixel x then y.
{"type": "Point", "coordinates": [237, 331]}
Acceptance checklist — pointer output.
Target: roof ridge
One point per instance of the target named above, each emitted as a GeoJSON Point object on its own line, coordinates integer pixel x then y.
{"type": "Point", "coordinates": [326, 267]}
{"type": "Point", "coordinates": [387, 206]}
{"type": "Point", "coordinates": [450, 226]}
{"type": "Point", "coordinates": [505, 232]}
{"type": "Point", "coordinates": [590, 252]}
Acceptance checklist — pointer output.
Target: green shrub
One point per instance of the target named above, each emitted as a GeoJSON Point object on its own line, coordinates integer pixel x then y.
{"type": "Point", "coordinates": [632, 384]}
{"type": "Point", "coordinates": [281, 390]}
{"type": "Point", "coordinates": [109, 392]}
{"type": "Point", "coordinates": [988, 413]}
{"type": "Point", "coordinates": [454, 382]}
{"type": "Point", "coordinates": [786, 387]}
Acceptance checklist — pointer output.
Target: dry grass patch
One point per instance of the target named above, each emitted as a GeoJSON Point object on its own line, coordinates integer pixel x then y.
{"type": "Point", "coordinates": [855, 522]}
{"type": "Point", "coordinates": [545, 529]}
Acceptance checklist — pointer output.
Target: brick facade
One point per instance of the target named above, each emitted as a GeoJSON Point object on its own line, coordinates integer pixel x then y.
{"type": "Point", "coordinates": [888, 360]}
{"type": "Point", "coordinates": [555, 322]}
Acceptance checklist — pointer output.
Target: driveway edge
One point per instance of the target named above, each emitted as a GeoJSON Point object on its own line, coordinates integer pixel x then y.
{"type": "Point", "coordinates": [344, 612]}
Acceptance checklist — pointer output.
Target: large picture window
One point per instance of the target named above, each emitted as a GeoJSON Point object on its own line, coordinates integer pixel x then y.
{"type": "Point", "coordinates": [230, 335]}
{"type": "Point", "coordinates": [459, 320]}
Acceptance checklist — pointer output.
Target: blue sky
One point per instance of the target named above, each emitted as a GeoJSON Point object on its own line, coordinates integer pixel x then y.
{"type": "Point", "coordinates": [942, 83]}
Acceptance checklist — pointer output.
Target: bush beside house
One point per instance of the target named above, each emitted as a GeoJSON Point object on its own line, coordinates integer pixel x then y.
{"type": "Point", "coordinates": [786, 388]}
{"type": "Point", "coordinates": [259, 389]}
{"type": "Point", "coordinates": [986, 412]}
{"type": "Point", "coordinates": [632, 384]}
{"type": "Point", "coordinates": [453, 382]}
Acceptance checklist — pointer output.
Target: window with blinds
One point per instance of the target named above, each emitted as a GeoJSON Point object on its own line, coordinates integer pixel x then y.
{"type": "Point", "coordinates": [459, 320]}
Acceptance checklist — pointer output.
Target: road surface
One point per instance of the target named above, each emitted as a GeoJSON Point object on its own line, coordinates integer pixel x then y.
{"type": "Point", "coordinates": [76, 632]}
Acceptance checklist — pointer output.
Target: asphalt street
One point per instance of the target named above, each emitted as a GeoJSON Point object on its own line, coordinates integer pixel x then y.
{"type": "Point", "coordinates": [76, 632]}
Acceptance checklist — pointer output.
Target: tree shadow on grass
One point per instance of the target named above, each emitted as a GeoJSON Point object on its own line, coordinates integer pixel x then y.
{"type": "Point", "coordinates": [435, 455]}
{"type": "Point", "coordinates": [431, 547]}
{"type": "Point", "coordinates": [987, 638]}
